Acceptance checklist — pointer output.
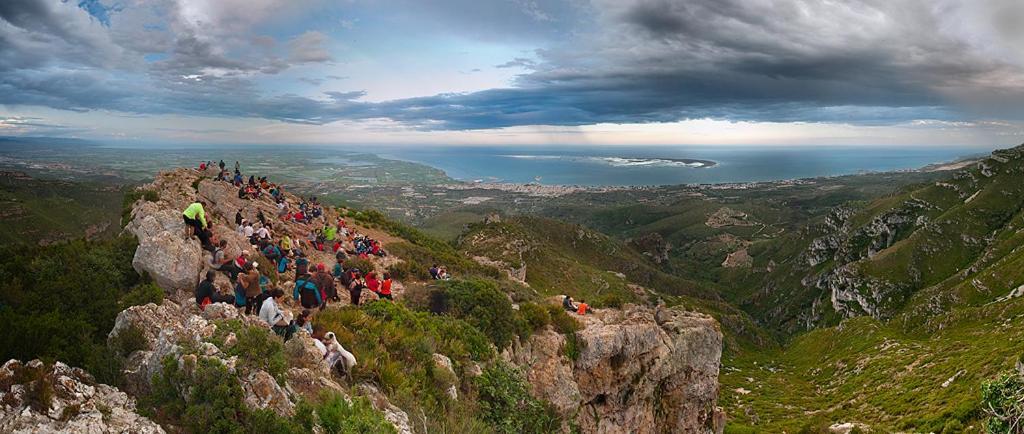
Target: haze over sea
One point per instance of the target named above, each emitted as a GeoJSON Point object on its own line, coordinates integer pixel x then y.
{"type": "Point", "coordinates": [624, 166]}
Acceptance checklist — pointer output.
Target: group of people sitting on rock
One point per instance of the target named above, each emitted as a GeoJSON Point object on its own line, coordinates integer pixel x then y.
{"type": "Point", "coordinates": [439, 273]}
{"type": "Point", "coordinates": [580, 308]}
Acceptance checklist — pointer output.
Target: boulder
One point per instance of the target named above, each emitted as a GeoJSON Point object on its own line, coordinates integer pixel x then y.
{"type": "Point", "coordinates": [639, 370]}
{"type": "Point", "coordinates": [393, 414]}
{"type": "Point", "coordinates": [262, 391]}
{"type": "Point", "coordinates": [443, 363]}
{"type": "Point", "coordinates": [77, 404]}
{"type": "Point", "coordinates": [164, 253]}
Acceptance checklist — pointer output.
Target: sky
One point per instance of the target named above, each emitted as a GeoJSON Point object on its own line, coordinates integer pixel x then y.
{"type": "Point", "coordinates": [523, 72]}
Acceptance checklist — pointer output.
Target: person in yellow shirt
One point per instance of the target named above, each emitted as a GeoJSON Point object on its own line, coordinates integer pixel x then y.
{"type": "Point", "coordinates": [195, 221]}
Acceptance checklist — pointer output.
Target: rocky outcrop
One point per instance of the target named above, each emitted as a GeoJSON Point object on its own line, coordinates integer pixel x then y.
{"type": "Point", "coordinates": [164, 253]}
{"type": "Point", "coordinates": [652, 245]}
{"type": "Point", "coordinates": [39, 398]}
{"type": "Point", "coordinates": [639, 370]}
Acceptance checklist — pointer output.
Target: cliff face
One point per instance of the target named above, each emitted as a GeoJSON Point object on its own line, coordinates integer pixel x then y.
{"type": "Point", "coordinates": [40, 398]}
{"type": "Point", "coordinates": [639, 370]}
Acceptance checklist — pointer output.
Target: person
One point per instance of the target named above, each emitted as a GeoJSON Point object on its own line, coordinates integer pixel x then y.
{"type": "Point", "coordinates": [582, 308]}
{"type": "Point", "coordinates": [372, 282]}
{"type": "Point", "coordinates": [306, 292]}
{"type": "Point", "coordinates": [238, 218]}
{"type": "Point", "coordinates": [219, 262]}
{"type": "Point", "coordinates": [301, 264]}
{"type": "Point", "coordinates": [272, 252]}
{"type": "Point", "coordinates": [262, 218]}
{"type": "Point", "coordinates": [202, 166]}
{"type": "Point", "coordinates": [237, 167]}
{"type": "Point", "coordinates": [567, 304]}
{"type": "Point", "coordinates": [355, 288]}
{"type": "Point", "coordinates": [195, 218]}
{"type": "Point", "coordinates": [385, 287]}
{"type": "Point", "coordinates": [282, 264]}
{"type": "Point", "coordinates": [221, 165]}
{"type": "Point", "coordinates": [303, 322]}
{"type": "Point", "coordinates": [325, 282]}
{"type": "Point", "coordinates": [286, 243]}
{"type": "Point", "coordinates": [337, 356]}
{"type": "Point", "coordinates": [274, 316]}
{"type": "Point", "coordinates": [433, 271]}
{"type": "Point", "coordinates": [339, 267]}
{"type": "Point", "coordinates": [206, 292]}
{"type": "Point", "coordinates": [250, 282]}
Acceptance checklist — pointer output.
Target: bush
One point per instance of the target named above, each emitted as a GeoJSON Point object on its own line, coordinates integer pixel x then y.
{"type": "Point", "coordinates": [364, 265]}
{"type": "Point", "coordinates": [206, 398]}
{"type": "Point", "coordinates": [507, 405]}
{"type": "Point", "coordinates": [142, 294]}
{"type": "Point", "coordinates": [562, 321]}
{"type": "Point", "coordinates": [259, 348]}
{"type": "Point", "coordinates": [128, 341]}
{"type": "Point", "coordinates": [535, 315]}
{"type": "Point", "coordinates": [338, 416]}
{"type": "Point", "coordinates": [129, 202]}
{"type": "Point", "coordinates": [1001, 399]}
{"type": "Point", "coordinates": [482, 305]}
{"type": "Point", "coordinates": [59, 301]}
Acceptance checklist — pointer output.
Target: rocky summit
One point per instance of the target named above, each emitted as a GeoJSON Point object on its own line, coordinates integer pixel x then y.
{"type": "Point", "coordinates": [633, 369]}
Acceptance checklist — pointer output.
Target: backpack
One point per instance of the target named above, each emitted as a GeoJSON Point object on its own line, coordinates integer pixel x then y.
{"type": "Point", "coordinates": [239, 294]}
{"type": "Point", "coordinates": [282, 265]}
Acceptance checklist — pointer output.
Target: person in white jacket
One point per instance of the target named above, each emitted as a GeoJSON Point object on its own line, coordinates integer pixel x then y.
{"type": "Point", "coordinates": [274, 316]}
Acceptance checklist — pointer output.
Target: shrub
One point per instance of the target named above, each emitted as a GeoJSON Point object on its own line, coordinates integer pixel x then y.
{"type": "Point", "coordinates": [206, 398]}
{"type": "Point", "coordinates": [507, 405]}
{"type": "Point", "coordinates": [142, 294]}
{"type": "Point", "coordinates": [59, 301]}
{"type": "Point", "coordinates": [259, 348]}
{"type": "Point", "coordinates": [562, 321]}
{"type": "Point", "coordinates": [481, 304]}
{"type": "Point", "coordinates": [128, 341]}
{"type": "Point", "coordinates": [129, 202]}
{"type": "Point", "coordinates": [363, 265]}
{"type": "Point", "coordinates": [535, 315]}
{"type": "Point", "coordinates": [338, 416]}
{"type": "Point", "coordinates": [1001, 398]}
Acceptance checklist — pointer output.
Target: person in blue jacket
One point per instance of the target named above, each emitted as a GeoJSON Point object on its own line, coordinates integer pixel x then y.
{"type": "Point", "coordinates": [306, 292]}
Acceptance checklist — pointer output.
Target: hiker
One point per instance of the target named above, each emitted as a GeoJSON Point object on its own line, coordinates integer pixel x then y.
{"type": "Point", "coordinates": [567, 304]}
{"type": "Point", "coordinates": [237, 167]}
{"type": "Point", "coordinates": [582, 308]}
{"type": "Point", "coordinates": [221, 165]}
{"type": "Point", "coordinates": [325, 282]}
{"type": "Point", "coordinates": [355, 287]}
{"type": "Point", "coordinates": [242, 259]}
{"type": "Point", "coordinates": [286, 243]}
{"type": "Point", "coordinates": [250, 282]}
{"type": "Point", "coordinates": [195, 219]}
{"type": "Point", "coordinates": [442, 274]}
{"type": "Point", "coordinates": [275, 317]}
{"type": "Point", "coordinates": [433, 271]}
{"type": "Point", "coordinates": [202, 166]}
{"type": "Point", "coordinates": [262, 218]}
{"type": "Point", "coordinates": [303, 322]}
{"type": "Point", "coordinates": [339, 268]}
{"type": "Point", "coordinates": [372, 283]}
{"type": "Point", "coordinates": [301, 264]}
{"type": "Point", "coordinates": [220, 262]}
{"type": "Point", "coordinates": [272, 252]}
{"type": "Point", "coordinates": [206, 292]}
{"type": "Point", "coordinates": [238, 218]}
{"type": "Point", "coordinates": [306, 292]}
{"type": "Point", "coordinates": [284, 263]}
{"type": "Point", "coordinates": [385, 287]}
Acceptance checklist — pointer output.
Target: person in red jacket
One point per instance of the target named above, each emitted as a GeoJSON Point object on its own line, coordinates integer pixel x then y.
{"type": "Point", "coordinates": [385, 287]}
{"type": "Point", "coordinates": [373, 283]}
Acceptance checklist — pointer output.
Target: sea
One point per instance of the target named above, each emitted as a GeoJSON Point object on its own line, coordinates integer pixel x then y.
{"type": "Point", "coordinates": [644, 166]}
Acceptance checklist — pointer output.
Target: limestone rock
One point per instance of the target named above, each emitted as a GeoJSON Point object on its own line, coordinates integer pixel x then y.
{"type": "Point", "coordinates": [172, 260]}
{"type": "Point", "coordinates": [77, 405]}
{"type": "Point", "coordinates": [262, 391]}
{"type": "Point", "coordinates": [634, 373]}
{"type": "Point", "coordinates": [393, 414]}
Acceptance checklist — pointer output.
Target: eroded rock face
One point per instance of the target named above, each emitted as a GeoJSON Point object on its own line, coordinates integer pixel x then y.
{"type": "Point", "coordinates": [77, 403]}
{"type": "Point", "coordinates": [639, 370]}
{"type": "Point", "coordinates": [171, 259]}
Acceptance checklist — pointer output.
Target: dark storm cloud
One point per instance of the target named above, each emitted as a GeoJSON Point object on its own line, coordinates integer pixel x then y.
{"type": "Point", "coordinates": [617, 61]}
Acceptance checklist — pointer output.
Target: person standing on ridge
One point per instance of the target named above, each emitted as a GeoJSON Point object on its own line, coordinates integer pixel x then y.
{"type": "Point", "coordinates": [195, 221]}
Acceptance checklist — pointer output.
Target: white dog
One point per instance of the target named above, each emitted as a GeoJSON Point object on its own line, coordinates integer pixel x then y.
{"type": "Point", "coordinates": [337, 353]}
